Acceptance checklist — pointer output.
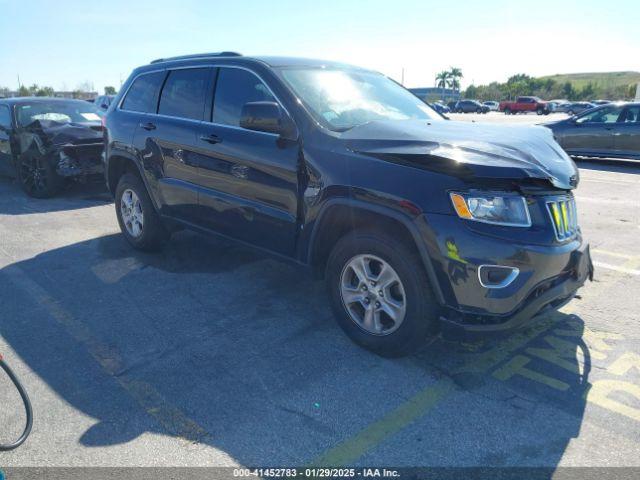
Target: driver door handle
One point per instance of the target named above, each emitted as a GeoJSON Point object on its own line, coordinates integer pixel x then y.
{"type": "Point", "coordinates": [148, 126]}
{"type": "Point", "coordinates": [210, 138]}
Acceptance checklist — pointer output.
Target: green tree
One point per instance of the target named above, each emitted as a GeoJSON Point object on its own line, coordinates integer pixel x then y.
{"type": "Point", "coordinates": [109, 90]}
{"type": "Point", "coordinates": [568, 91]}
{"type": "Point", "coordinates": [442, 79]}
{"type": "Point", "coordinates": [23, 91]}
{"type": "Point", "coordinates": [44, 92]}
{"type": "Point", "coordinates": [471, 92]}
{"type": "Point", "coordinates": [455, 75]}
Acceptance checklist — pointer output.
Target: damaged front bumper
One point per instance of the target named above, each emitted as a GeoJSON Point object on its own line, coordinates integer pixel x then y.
{"type": "Point", "coordinates": [550, 294]}
{"type": "Point", "coordinates": [532, 273]}
{"type": "Point", "coordinates": [80, 160]}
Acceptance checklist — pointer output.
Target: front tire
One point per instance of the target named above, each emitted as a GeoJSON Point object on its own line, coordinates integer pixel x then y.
{"type": "Point", "coordinates": [380, 295]}
{"type": "Point", "coordinates": [37, 176]}
{"type": "Point", "coordinates": [139, 222]}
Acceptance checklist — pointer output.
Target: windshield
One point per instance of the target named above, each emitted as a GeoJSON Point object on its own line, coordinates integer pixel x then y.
{"type": "Point", "coordinates": [343, 99]}
{"type": "Point", "coordinates": [75, 111]}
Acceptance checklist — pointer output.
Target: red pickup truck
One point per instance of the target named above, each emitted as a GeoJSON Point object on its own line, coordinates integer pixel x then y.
{"type": "Point", "coordinates": [524, 105]}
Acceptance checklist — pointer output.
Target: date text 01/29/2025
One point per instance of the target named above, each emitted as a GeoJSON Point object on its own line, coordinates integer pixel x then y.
{"type": "Point", "coordinates": [316, 472]}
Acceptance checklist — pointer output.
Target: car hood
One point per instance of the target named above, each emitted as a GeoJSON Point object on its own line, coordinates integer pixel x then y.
{"type": "Point", "coordinates": [63, 133]}
{"type": "Point", "coordinates": [49, 137]}
{"type": "Point", "coordinates": [467, 149]}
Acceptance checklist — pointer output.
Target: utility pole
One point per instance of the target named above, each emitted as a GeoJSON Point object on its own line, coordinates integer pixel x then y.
{"type": "Point", "coordinates": [402, 81]}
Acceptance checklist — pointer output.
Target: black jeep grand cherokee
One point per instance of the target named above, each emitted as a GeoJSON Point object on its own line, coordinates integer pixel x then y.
{"type": "Point", "coordinates": [417, 223]}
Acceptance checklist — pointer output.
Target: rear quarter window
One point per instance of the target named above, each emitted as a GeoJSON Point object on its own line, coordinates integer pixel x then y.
{"type": "Point", "coordinates": [143, 94]}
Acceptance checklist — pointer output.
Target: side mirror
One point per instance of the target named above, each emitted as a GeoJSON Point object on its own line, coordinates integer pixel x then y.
{"type": "Point", "coordinates": [267, 117]}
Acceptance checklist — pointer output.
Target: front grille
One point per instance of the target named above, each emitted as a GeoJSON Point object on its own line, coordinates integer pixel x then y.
{"type": "Point", "coordinates": [564, 217]}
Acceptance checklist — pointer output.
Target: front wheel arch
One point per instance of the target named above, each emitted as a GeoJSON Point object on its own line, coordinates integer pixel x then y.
{"type": "Point", "coordinates": [339, 217]}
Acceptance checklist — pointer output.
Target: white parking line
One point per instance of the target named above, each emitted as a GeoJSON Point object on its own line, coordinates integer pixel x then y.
{"type": "Point", "coordinates": [608, 266]}
{"type": "Point", "coordinates": [607, 201]}
{"type": "Point", "coordinates": [613, 181]}
{"type": "Point", "coordinates": [614, 254]}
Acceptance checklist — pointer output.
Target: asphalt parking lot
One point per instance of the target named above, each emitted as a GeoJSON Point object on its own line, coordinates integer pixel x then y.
{"type": "Point", "coordinates": [212, 354]}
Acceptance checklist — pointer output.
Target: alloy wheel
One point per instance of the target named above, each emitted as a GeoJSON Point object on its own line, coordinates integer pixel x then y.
{"type": "Point", "coordinates": [373, 294]}
{"type": "Point", "coordinates": [33, 174]}
{"type": "Point", "coordinates": [132, 214]}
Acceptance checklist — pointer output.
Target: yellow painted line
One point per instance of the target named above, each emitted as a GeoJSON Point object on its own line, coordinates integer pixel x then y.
{"type": "Point", "coordinates": [417, 406]}
{"type": "Point", "coordinates": [517, 366]}
{"type": "Point", "coordinates": [375, 433]}
{"type": "Point", "coordinates": [172, 419]}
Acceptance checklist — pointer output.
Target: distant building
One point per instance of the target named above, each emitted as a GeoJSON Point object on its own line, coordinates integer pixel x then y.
{"type": "Point", "coordinates": [75, 94]}
{"type": "Point", "coordinates": [431, 94]}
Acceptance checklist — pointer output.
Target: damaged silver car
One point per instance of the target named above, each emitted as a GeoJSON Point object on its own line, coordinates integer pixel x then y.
{"type": "Point", "coordinates": [44, 141]}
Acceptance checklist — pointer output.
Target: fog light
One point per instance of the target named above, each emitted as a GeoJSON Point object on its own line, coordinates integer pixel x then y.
{"type": "Point", "coordinates": [496, 276]}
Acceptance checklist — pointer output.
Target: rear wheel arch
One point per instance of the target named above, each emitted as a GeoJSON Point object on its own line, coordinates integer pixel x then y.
{"type": "Point", "coordinates": [341, 217]}
{"type": "Point", "coordinates": [117, 167]}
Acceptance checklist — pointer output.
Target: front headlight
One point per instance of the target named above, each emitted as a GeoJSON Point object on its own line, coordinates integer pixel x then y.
{"type": "Point", "coordinates": [509, 210]}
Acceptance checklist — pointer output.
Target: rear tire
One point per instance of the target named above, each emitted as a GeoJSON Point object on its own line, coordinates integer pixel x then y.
{"type": "Point", "coordinates": [37, 177]}
{"type": "Point", "coordinates": [139, 222]}
{"type": "Point", "coordinates": [403, 287]}
{"type": "Point", "coordinates": [540, 111]}
{"type": "Point", "coordinates": [507, 111]}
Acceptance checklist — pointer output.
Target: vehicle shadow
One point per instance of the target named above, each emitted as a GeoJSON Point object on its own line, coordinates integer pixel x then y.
{"type": "Point", "coordinates": [73, 196]}
{"type": "Point", "coordinates": [219, 345]}
{"type": "Point", "coordinates": [534, 384]}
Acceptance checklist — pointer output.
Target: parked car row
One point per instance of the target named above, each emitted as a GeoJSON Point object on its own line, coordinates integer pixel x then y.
{"type": "Point", "coordinates": [468, 106]}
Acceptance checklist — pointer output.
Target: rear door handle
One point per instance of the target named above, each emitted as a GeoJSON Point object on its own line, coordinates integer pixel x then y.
{"type": "Point", "coordinates": [148, 126]}
{"type": "Point", "coordinates": [210, 138]}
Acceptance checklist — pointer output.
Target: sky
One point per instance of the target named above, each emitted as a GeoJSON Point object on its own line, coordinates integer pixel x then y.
{"type": "Point", "coordinates": [66, 43]}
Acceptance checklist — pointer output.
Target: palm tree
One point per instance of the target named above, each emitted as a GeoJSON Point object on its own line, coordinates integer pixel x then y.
{"type": "Point", "coordinates": [442, 81]}
{"type": "Point", "coordinates": [455, 74]}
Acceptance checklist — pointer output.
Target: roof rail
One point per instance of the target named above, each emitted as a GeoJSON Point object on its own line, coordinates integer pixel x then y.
{"type": "Point", "coordinates": [198, 55]}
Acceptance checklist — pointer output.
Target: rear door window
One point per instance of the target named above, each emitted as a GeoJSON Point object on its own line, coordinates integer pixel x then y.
{"type": "Point", "coordinates": [143, 94]}
{"type": "Point", "coordinates": [184, 93]}
{"type": "Point", "coordinates": [234, 88]}
{"type": "Point", "coordinates": [602, 115]}
{"type": "Point", "coordinates": [630, 115]}
{"type": "Point", "coordinates": [5, 117]}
